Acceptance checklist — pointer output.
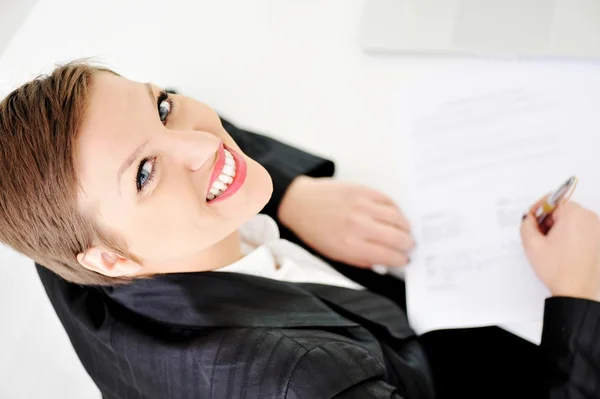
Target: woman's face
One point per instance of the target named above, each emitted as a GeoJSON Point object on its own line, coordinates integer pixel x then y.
{"type": "Point", "coordinates": [160, 171]}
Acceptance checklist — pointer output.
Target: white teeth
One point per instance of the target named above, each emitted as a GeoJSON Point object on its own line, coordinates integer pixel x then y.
{"type": "Point", "coordinates": [225, 178]}
{"type": "Point", "coordinates": [229, 170]}
{"type": "Point", "coordinates": [219, 185]}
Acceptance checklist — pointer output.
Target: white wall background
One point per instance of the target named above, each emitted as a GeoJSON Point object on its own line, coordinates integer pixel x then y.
{"type": "Point", "coordinates": [12, 14]}
{"type": "Point", "coordinates": [290, 68]}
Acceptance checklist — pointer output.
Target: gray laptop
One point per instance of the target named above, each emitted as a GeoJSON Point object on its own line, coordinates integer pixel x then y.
{"type": "Point", "coordinates": [530, 28]}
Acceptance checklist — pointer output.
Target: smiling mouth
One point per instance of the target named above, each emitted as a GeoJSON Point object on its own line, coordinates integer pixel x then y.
{"type": "Point", "coordinates": [225, 178]}
{"type": "Point", "coordinates": [228, 175]}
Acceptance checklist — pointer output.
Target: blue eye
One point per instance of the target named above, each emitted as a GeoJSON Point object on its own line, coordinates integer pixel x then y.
{"type": "Point", "coordinates": [145, 173]}
{"type": "Point", "coordinates": [164, 105]}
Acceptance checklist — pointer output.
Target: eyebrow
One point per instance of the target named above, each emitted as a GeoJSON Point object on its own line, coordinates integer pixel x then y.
{"type": "Point", "coordinates": [150, 91]}
{"type": "Point", "coordinates": [127, 163]}
{"type": "Point", "coordinates": [135, 154]}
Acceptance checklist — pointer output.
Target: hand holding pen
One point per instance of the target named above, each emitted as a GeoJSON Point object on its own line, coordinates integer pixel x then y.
{"type": "Point", "coordinates": [562, 242]}
{"type": "Point", "coordinates": [544, 210]}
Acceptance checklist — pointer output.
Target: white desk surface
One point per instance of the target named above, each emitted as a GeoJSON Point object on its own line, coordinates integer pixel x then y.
{"type": "Point", "coordinates": [292, 69]}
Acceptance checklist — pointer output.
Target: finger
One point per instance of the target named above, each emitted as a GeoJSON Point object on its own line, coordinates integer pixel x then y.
{"type": "Point", "coordinates": [371, 253]}
{"type": "Point", "coordinates": [538, 203]}
{"type": "Point", "coordinates": [390, 214]}
{"type": "Point", "coordinates": [533, 239]}
{"type": "Point", "coordinates": [389, 236]}
{"type": "Point", "coordinates": [559, 210]}
{"type": "Point", "coordinates": [381, 198]}
{"type": "Point", "coordinates": [564, 207]}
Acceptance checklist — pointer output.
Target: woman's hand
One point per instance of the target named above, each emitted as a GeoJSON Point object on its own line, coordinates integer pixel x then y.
{"type": "Point", "coordinates": [347, 222]}
{"type": "Point", "coordinates": [567, 259]}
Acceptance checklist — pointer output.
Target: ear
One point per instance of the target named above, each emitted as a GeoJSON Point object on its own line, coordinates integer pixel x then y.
{"type": "Point", "coordinates": [108, 263]}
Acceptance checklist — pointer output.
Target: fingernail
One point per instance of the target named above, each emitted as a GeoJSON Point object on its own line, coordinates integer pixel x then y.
{"type": "Point", "coordinates": [524, 217]}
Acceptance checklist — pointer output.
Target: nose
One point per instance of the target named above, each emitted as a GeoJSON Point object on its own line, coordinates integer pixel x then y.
{"type": "Point", "coordinates": [193, 148]}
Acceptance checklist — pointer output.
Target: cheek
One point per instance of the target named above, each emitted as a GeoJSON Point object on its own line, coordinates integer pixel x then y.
{"type": "Point", "coordinates": [188, 226]}
{"type": "Point", "coordinates": [257, 189]}
{"type": "Point", "coordinates": [175, 223]}
{"type": "Point", "coordinates": [163, 224]}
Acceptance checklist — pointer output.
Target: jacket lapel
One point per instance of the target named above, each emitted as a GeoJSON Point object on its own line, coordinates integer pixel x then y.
{"type": "Point", "coordinates": [366, 308]}
{"type": "Point", "coordinates": [211, 299]}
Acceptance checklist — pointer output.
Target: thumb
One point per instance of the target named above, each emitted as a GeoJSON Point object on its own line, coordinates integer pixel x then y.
{"type": "Point", "coordinates": [532, 237]}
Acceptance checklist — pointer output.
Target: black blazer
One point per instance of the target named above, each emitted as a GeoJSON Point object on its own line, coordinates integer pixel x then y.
{"type": "Point", "coordinates": [227, 335]}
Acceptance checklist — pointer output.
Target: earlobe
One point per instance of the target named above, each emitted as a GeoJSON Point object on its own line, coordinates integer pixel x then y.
{"type": "Point", "coordinates": [108, 263]}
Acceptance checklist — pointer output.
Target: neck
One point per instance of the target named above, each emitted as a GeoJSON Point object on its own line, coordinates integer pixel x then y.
{"type": "Point", "coordinates": [221, 254]}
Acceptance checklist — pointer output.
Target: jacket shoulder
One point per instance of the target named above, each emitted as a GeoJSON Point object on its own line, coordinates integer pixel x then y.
{"type": "Point", "coordinates": [217, 363]}
{"type": "Point", "coordinates": [286, 363]}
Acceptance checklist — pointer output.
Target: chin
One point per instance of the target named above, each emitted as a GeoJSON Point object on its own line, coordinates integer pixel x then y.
{"type": "Point", "coordinates": [262, 187]}
{"type": "Point", "coordinates": [251, 197]}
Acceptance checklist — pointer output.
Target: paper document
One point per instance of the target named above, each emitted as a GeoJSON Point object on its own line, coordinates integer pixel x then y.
{"type": "Point", "coordinates": [483, 150]}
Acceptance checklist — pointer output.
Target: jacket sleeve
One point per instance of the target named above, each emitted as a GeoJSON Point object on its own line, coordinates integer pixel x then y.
{"type": "Point", "coordinates": [571, 348]}
{"type": "Point", "coordinates": [337, 370]}
{"type": "Point", "coordinates": [283, 162]}
{"type": "Point", "coordinates": [376, 389]}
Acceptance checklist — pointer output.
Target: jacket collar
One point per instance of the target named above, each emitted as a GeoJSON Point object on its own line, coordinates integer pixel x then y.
{"type": "Point", "coordinates": [209, 299]}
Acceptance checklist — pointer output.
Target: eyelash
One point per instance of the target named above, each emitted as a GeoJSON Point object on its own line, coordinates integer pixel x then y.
{"type": "Point", "coordinates": [141, 187]}
{"type": "Point", "coordinates": [144, 185]}
{"type": "Point", "coordinates": [162, 97]}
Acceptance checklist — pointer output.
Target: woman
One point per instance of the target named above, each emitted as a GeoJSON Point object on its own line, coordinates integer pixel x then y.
{"type": "Point", "coordinates": [146, 203]}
